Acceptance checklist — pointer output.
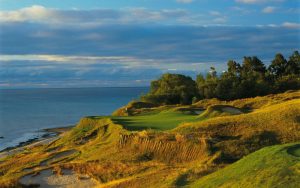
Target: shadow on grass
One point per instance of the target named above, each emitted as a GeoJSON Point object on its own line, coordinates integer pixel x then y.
{"type": "Point", "coordinates": [294, 150]}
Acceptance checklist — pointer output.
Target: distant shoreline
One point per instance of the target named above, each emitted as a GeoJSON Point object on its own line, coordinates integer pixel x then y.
{"type": "Point", "coordinates": [50, 133]}
{"type": "Point", "coordinates": [22, 88]}
{"type": "Point", "coordinates": [59, 130]}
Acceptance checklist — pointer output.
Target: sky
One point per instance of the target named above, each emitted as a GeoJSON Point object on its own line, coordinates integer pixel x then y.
{"type": "Point", "coordinates": [121, 43]}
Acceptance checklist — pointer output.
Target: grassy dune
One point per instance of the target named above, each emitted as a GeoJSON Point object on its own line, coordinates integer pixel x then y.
{"type": "Point", "coordinates": [173, 146]}
{"type": "Point", "coordinates": [275, 166]}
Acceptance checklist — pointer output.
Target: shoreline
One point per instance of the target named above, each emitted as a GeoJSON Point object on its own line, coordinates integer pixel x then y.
{"type": "Point", "coordinates": [59, 130]}
{"type": "Point", "coordinates": [50, 135]}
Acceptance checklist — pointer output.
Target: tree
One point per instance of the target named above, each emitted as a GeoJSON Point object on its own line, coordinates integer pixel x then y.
{"type": "Point", "coordinates": [253, 64]}
{"type": "Point", "coordinates": [172, 89]}
{"type": "Point", "coordinates": [293, 64]}
{"type": "Point", "coordinates": [278, 66]}
{"type": "Point", "coordinates": [227, 87]}
{"type": "Point", "coordinates": [200, 81]}
{"type": "Point", "coordinates": [239, 81]}
{"type": "Point", "coordinates": [233, 67]}
{"type": "Point", "coordinates": [211, 83]}
{"type": "Point", "coordinates": [253, 79]}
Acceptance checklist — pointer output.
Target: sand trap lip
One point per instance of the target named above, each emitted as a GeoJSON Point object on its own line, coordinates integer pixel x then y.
{"type": "Point", "coordinates": [294, 150]}
{"type": "Point", "coordinates": [47, 179]}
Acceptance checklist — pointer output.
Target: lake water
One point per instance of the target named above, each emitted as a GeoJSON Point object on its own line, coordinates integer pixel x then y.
{"type": "Point", "coordinates": [25, 112]}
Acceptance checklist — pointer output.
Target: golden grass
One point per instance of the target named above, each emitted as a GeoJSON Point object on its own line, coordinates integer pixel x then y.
{"type": "Point", "coordinates": [117, 157]}
{"type": "Point", "coordinates": [242, 134]}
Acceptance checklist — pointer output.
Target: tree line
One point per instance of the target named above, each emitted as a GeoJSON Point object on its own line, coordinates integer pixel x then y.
{"type": "Point", "coordinates": [249, 79]}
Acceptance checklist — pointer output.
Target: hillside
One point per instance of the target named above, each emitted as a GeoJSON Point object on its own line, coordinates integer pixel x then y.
{"type": "Point", "coordinates": [275, 166]}
{"type": "Point", "coordinates": [165, 146]}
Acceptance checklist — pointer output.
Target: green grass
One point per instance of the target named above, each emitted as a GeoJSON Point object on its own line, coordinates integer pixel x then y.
{"type": "Point", "coordinates": [165, 120]}
{"type": "Point", "coordinates": [108, 149]}
{"type": "Point", "coordinates": [275, 166]}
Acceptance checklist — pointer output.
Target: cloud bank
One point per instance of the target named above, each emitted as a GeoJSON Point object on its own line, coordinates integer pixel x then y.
{"type": "Point", "coordinates": [46, 47]}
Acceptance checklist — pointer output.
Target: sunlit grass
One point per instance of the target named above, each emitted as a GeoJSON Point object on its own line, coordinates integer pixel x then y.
{"type": "Point", "coordinates": [160, 121]}
{"type": "Point", "coordinates": [269, 167]}
{"type": "Point", "coordinates": [172, 145]}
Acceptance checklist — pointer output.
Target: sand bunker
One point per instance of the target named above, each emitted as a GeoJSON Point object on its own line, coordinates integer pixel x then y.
{"type": "Point", "coordinates": [69, 179]}
{"type": "Point", "coordinates": [199, 111]}
{"type": "Point", "coordinates": [231, 110]}
{"type": "Point", "coordinates": [220, 110]}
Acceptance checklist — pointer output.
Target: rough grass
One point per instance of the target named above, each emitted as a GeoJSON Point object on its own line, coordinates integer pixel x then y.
{"type": "Point", "coordinates": [239, 135]}
{"type": "Point", "coordinates": [166, 146]}
{"type": "Point", "coordinates": [269, 167]}
{"type": "Point", "coordinates": [252, 103]}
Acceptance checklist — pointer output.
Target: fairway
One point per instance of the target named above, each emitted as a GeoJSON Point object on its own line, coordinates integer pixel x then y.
{"type": "Point", "coordinates": [161, 121]}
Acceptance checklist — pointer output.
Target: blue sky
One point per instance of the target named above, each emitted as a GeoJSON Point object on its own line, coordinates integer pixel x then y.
{"type": "Point", "coordinates": [74, 43]}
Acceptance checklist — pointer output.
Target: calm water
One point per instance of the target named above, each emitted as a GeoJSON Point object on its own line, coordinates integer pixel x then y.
{"type": "Point", "coordinates": [25, 112]}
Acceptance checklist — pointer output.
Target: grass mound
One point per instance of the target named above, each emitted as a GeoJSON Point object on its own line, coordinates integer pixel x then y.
{"type": "Point", "coordinates": [269, 167]}
{"type": "Point", "coordinates": [91, 130]}
{"type": "Point", "coordinates": [239, 135]}
{"type": "Point", "coordinates": [252, 103]}
{"type": "Point", "coordinates": [133, 108]}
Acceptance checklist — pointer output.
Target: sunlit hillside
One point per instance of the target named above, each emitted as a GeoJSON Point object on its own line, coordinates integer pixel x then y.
{"type": "Point", "coordinates": [169, 146]}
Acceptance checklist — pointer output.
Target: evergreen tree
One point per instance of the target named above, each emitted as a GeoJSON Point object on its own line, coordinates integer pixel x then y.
{"type": "Point", "coordinates": [278, 66]}
{"type": "Point", "coordinates": [239, 81]}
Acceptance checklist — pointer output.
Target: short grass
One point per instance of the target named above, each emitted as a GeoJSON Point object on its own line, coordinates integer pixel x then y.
{"type": "Point", "coordinates": [162, 121]}
{"type": "Point", "coordinates": [275, 166]}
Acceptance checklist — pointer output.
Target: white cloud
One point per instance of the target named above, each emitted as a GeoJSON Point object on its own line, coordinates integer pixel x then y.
{"type": "Point", "coordinates": [257, 1]}
{"type": "Point", "coordinates": [291, 25]}
{"type": "Point", "coordinates": [293, 10]}
{"type": "Point", "coordinates": [66, 59]}
{"type": "Point", "coordinates": [220, 20]}
{"type": "Point", "coordinates": [272, 25]}
{"type": "Point", "coordinates": [215, 13]}
{"type": "Point", "coordinates": [269, 9]}
{"type": "Point", "coordinates": [40, 14]}
{"type": "Point", "coordinates": [241, 10]}
{"type": "Point", "coordinates": [248, 1]}
{"type": "Point", "coordinates": [185, 1]}
{"type": "Point", "coordinates": [98, 17]}
{"type": "Point", "coordinates": [80, 62]}
{"type": "Point", "coordinates": [33, 13]}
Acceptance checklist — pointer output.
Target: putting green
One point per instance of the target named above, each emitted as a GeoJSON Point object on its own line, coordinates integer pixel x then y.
{"type": "Point", "coordinates": [160, 121]}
